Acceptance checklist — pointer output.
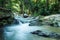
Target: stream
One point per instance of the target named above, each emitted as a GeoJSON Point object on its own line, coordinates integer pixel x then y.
{"type": "Point", "coordinates": [22, 31]}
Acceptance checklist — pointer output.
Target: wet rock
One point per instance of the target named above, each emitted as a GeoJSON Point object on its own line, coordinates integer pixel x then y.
{"type": "Point", "coordinates": [54, 24]}
{"type": "Point", "coordinates": [6, 17]}
{"type": "Point", "coordinates": [53, 35]}
{"type": "Point", "coordinates": [52, 20]}
{"type": "Point", "coordinates": [36, 32]}
{"type": "Point", "coordinates": [7, 21]}
{"type": "Point", "coordinates": [44, 34]}
{"type": "Point", "coordinates": [15, 21]}
{"type": "Point", "coordinates": [40, 33]}
{"type": "Point", "coordinates": [51, 24]}
{"type": "Point", "coordinates": [25, 15]}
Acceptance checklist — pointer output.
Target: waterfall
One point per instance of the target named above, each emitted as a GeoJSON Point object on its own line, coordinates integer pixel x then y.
{"type": "Point", "coordinates": [20, 19]}
{"type": "Point", "coordinates": [17, 18]}
{"type": "Point", "coordinates": [20, 22]}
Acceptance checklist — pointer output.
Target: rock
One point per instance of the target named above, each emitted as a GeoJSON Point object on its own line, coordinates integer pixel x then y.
{"type": "Point", "coordinates": [58, 37]}
{"type": "Point", "coordinates": [36, 32]}
{"type": "Point", "coordinates": [15, 21]}
{"type": "Point", "coordinates": [25, 15]}
{"type": "Point", "coordinates": [53, 35]}
{"type": "Point", "coordinates": [44, 34]}
{"type": "Point", "coordinates": [51, 24]}
{"type": "Point", "coordinates": [5, 14]}
{"type": "Point", "coordinates": [40, 33]}
{"type": "Point", "coordinates": [52, 20]}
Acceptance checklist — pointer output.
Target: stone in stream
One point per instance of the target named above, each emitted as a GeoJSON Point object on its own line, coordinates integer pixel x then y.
{"type": "Point", "coordinates": [15, 21]}
{"type": "Point", "coordinates": [25, 15]}
{"type": "Point", "coordinates": [40, 33]}
{"type": "Point", "coordinates": [44, 34]}
{"type": "Point", "coordinates": [53, 35]}
{"type": "Point", "coordinates": [36, 32]}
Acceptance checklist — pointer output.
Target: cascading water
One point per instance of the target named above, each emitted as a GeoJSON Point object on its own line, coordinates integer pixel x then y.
{"type": "Point", "coordinates": [17, 18]}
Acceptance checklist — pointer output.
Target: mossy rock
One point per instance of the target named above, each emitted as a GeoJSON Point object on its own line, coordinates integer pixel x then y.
{"type": "Point", "coordinates": [6, 17]}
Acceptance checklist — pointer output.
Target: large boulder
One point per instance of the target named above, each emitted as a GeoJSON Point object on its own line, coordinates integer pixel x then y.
{"type": "Point", "coordinates": [6, 17]}
{"type": "Point", "coordinates": [46, 34]}
{"type": "Point", "coordinates": [52, 20]}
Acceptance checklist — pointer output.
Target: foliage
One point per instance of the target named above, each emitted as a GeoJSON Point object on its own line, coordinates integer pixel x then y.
{"type": "Point", "coordinates": [39, 7]}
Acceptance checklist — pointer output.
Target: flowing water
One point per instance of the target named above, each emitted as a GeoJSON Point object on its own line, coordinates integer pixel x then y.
{"type": "Point", "coordinates": [22, 31]}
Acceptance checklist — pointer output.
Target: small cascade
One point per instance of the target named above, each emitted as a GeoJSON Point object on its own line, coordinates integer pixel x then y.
{"type": "Point", "coordinates": [17, 18]}
{"type": "Point", "coordinates": [20, 22]}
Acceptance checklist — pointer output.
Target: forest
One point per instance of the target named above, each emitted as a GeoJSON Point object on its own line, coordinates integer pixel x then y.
{"type": "Point", "coordinates": [33, 7]}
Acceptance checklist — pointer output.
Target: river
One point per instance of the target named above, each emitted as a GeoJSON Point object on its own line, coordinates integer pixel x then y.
{"type": "Point", "coordinates": [22, 31]}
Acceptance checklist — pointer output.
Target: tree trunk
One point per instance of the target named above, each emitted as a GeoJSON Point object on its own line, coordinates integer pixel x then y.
{"type": "Point", "coordinates": [47, 5]}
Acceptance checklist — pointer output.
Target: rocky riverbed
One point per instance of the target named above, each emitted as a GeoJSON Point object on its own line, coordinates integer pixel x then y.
{"type": "Point", "coordinates": [23, 31]}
